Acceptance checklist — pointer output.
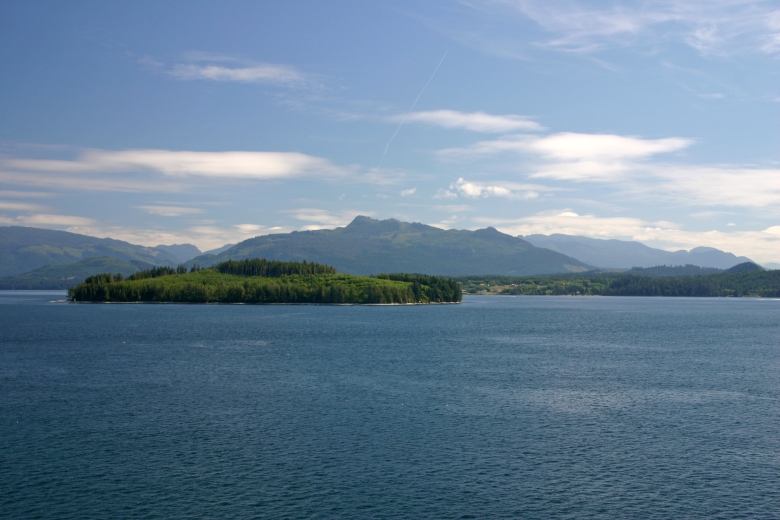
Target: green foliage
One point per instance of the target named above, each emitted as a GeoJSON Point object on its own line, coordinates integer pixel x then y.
{"type": "Point", "coordinates": [320, 285]}
{"type": "Point", "coordinates": [434, 288]}
{"type": "Point", "coordinates": [744, 283]}
{"type": "Point", "coordinates": [271, 268]}
{"type": "Point", "coordinates": [155, 272]}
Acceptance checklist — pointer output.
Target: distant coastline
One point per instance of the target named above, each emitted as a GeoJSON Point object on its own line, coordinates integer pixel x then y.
{"type": "Point", "coordinates": [743, 280]}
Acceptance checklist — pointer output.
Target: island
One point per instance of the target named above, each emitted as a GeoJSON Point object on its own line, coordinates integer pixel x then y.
{"type": "Point", "coordinates": [261, 281]}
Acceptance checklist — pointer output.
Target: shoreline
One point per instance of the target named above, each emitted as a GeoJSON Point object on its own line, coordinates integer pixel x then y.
{"type": "Point", "coordinates": [269, 303]}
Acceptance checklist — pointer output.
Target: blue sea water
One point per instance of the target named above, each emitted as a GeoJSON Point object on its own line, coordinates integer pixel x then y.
{"type": "Point", "coordinates": [501, 407]}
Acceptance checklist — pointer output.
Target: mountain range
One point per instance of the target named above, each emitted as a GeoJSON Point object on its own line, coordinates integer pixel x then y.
{"type": "Point", "coordinates": [370, 246]}
{"type": "Point", "coordinates": [41, 258]}
{"type": "Point", "coordinates": [624, 254]}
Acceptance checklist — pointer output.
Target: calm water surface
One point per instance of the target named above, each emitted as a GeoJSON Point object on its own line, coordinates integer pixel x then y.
{"type": "Point", "coordinates": [502, 407]}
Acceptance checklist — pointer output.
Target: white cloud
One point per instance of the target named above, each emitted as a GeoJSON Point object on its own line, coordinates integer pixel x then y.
{"type": "Point", "coordinates": [569, 146]}
{"type": "Point", "coordinates": [409, 192]}
{"type": "Point", "coordinates": [169, 211]}
{"type": "Point", "coordinates": [573, 147]}
{"type": "Point", "coordinates": [474, 121]}
{"type": "Point", "coordinates": [502, 189]}
{"type": "Point", "coordinates": [761, 246]}
{"type": "Point", "coordinates": [445, 194]}
{"type": "Point", "coordinates": [629, 165]}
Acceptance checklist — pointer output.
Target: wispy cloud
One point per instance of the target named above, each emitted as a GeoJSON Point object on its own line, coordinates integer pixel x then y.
{"type": "Point", "coordinates": [474, 121]}
{"type": "Point", "coordinates": [26, 194]}
{"type": "Point", "coordinates": [46, 220]}
{"type": "Point", "coordinates": [215, 67]}
{"type": "Point", "coordinates": [710, 27]}
{"type": "Point", "coordinates": [238, 164]}
{"type": "Point", "coordinates": [170, 211]}
{"type": "Point", "coordinates": [261, 73]}
{"type": "Point", "coordinates": [20, 206]}
{"type": "Point", "coordinates": [94, 182]}
{"type": "Point", "coordinates": [409, 192]}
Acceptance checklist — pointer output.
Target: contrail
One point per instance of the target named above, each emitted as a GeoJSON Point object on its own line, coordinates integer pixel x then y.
{"type": "Point", "coordinates": [410, 110]}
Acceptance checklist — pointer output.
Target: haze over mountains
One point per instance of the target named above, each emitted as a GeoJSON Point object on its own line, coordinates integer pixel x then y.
{"type": "Point", "coordinates": [624, 254]}
{"type": "Point", "coordinates": [41, 258]}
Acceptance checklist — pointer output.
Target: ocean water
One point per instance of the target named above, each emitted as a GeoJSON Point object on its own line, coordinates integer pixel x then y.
{"type": "Point", "coordinates": [501, 407]}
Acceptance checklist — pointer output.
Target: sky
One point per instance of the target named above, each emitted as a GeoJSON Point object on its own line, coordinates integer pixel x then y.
{"type": "Point", "coordinates": [213, 122]}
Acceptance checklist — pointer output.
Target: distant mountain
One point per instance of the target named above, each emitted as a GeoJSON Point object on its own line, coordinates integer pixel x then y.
{"type": "Point", "coordinates": [744, 267]}
{"type": "Point", "coordinates": [64, 276]}
{"type": "Point", "coordinates": [23, 249]}
{"type": "Point", "coordinates": [772, 265]}
{"type": "Point", "coordinates": [369, 246]}
{"type": "Point", "coordinates": [625, 254]}
{"type": "Point", "coordinates": [182, 252]}
{"type": "Point", "coordinates": [218, 250]}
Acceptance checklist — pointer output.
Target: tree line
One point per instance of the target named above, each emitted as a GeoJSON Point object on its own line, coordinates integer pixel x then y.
{"type": "Point", "coordinates": [750, 283]}
{"type": "Point", "coordinates": [272, 268]}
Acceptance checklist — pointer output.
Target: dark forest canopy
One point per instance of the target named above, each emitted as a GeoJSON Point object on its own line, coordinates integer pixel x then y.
{"type": "Point", "coordinates": [743, 283]}
{"type": "Point", "coordinates": [263, 281]}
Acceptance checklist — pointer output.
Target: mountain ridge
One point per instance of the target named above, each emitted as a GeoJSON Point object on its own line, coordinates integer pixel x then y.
{"type": "Point", "coordinates": [625, 254]}
{"type": "Point", "coordinates": [370, 246]}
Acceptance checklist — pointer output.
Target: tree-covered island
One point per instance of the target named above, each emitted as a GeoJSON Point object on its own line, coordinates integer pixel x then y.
{"type": "Point", "coordinates": [264, 281]}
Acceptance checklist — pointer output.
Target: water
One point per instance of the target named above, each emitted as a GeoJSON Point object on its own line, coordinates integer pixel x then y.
{"type": "Point", "coordinates": [527, 407]}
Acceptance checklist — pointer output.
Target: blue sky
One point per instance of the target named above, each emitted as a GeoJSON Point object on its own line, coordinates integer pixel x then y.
{"type": "Point", "coordinates": [212, 122]}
